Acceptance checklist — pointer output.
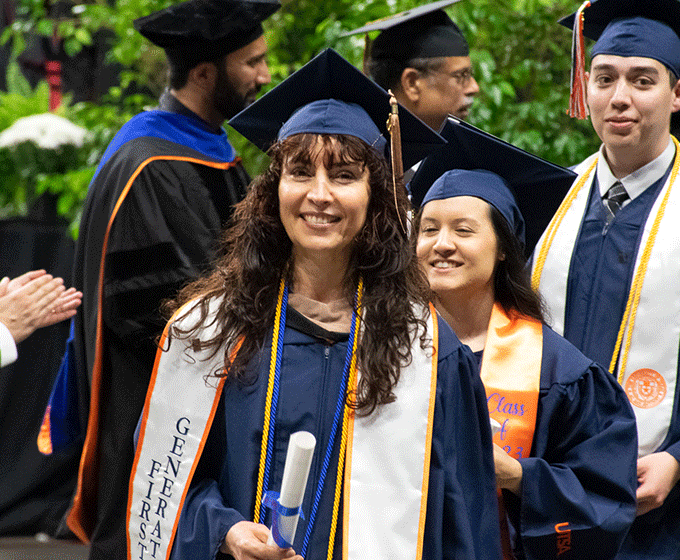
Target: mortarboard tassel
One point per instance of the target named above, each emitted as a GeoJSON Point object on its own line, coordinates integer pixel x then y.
{"type": "Point", "coordinates": [395, 150]}
{"type": "Point", "coordinates": [577, 96]}
{"type": "Point", "coordinates": [367, 54]}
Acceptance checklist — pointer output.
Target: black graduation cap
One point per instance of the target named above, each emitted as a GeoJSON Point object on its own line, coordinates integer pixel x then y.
{"type": "Point", "coordinates": [206, 29]}
{"type": "Point", "coordinates": [423, 32]}
{"type": "Point", "coordinates": [601, 13]}
{"type": "Point", "coordinates": [538, 185]}
{"type": "Point", "coordinates": [301, 103]}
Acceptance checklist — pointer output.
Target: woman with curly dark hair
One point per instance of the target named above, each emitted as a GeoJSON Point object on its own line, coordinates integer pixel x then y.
{"type": "Point", "coordinates": [565, 452]}
{"type": "Point", "coordinates": [316, 318]}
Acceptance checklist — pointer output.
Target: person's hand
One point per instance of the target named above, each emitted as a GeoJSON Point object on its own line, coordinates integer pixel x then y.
{"type": "Point", "coordinates": [35, 300]}
{"type": "Point", "coordinates": [248, 541]}
{"type": "Point", "coordinates": [19, 281]}
{"type": "Point", "coordinates": [508, 471]}
{"type": "Point", "coordinates": [657, 474]}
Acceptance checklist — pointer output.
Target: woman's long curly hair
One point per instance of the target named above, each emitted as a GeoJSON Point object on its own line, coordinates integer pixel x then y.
{"type": "Point", "coordinates": [256, 252]}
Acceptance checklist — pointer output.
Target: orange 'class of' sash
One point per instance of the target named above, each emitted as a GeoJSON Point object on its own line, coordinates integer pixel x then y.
{"type": "Point", "coordinates": [511, 372]}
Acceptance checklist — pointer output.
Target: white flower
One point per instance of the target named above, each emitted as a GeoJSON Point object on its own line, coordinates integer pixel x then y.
{"type": "Point", "coordinates": [45, 130]}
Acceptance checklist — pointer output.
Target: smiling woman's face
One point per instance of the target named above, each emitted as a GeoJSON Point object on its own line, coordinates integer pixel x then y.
{"type": "Point", "coordinates": [457, 246]}
{"type": "Point", "coordinates": [323, 209]}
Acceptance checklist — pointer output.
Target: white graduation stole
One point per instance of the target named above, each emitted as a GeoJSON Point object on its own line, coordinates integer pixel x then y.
{"type": "Point", "coordinates": [388, 482]}
{"type": "Point", "coordinates": [651, 352]}
{"type": "Point", "coordinates": [388, 465]}
{"type": "Point", "coordinates": [178, 413]}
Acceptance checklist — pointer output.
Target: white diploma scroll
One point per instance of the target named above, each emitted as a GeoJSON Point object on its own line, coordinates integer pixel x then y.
{"type": "Point", "coordinates": [495, 426]}
{"type": "Point", "coordinates": [295, 472]}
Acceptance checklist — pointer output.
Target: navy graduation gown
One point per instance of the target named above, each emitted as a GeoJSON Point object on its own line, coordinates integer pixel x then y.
{"type": "Point", "coordinates": [600, 276]}
{"type": "Point", "coordinates": [462, 514]}
{"type": "Point", "coordinates": [601, 272]}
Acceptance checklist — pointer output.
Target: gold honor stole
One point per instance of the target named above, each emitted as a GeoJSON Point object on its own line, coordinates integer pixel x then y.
{"type": "Point", "coordinates": [645, 359]}
{"type": "Point", "coordinates": [179, 411]}
{"type": "Point", "coordinates": [511, 373]}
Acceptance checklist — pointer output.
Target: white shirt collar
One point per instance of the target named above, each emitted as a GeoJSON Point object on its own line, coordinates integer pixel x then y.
{"type": "Point", "coordinates": [635, 183]}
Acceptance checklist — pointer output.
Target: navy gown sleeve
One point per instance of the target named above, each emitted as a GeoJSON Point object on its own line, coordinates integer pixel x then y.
{"type": "Point", "coordinates": [462, 506]}
{"type": "Point", "coordinates": [674, 450]}
{"type": "Point", "coordinates": [581, 475]}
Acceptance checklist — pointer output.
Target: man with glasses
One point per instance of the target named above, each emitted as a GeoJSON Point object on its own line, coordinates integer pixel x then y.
{"type": "Point", "coordinates": [422, 56]}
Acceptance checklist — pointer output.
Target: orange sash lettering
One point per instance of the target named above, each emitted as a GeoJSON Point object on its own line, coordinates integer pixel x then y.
{"type": "Point", "coordinates": [511, 372]}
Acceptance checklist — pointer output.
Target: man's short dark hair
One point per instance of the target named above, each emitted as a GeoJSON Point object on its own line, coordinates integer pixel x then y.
{"type": "Point", "coordinates": [179, 68]}
{"type": "Point", "coordinates": [387, 72]}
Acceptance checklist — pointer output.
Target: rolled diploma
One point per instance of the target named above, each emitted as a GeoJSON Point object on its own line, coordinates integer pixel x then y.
{"type": "Point", "coordinates": [495, 426]}
{"type": "Point", "coordinates": [295, 472]}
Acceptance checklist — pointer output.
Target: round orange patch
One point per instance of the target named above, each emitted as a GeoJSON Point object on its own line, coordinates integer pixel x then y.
{"type": "Point", "coordinates": [645, 388]}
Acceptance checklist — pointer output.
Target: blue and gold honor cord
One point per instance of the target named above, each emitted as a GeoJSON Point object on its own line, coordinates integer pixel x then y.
{"type": "Point", "coordinates": [342, 412]}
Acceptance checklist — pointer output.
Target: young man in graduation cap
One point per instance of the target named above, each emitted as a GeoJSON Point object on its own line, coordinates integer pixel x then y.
{"type": "Point", "coordinates": [423, 57]}
{"type": "Point", "coordinates": [159, 198]}
{"type": "Point", "coordinates": [617, 295]}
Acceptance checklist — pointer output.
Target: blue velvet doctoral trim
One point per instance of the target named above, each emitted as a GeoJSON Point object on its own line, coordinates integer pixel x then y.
{"type": "Point", "coordinates": [180, 129]}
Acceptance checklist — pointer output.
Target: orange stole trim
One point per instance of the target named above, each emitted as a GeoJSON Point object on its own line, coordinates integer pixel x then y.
{"type": "Point", "coordinates": [80, 520]}
{"type": "Point", "coordinates": [430, 424]}
{"type": "Point", "coordinates": [511, 373]}
{"type": "Point", "coordinates": [44, 439]}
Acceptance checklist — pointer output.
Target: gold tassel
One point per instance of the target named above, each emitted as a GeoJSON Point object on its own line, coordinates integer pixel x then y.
{"type": "Point", "coordinates": [577, 97]}
{"type": "Point", "coordinates": [394, 129]}
{"type": "Point", "coordinates": [367, 54]}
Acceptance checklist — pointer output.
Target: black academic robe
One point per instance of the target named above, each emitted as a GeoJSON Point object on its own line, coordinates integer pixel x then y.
{"type": "Point", "coordinates": [164, 189]}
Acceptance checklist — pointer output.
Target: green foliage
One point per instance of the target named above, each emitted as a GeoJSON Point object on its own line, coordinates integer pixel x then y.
{"type": "Point", "coordinates": [19, 100]}
{"type": "Point", "coordinates": [520, 55]}
{"type": "Point", "coordinates": [523, 62]}
{"type": "Point", "coordinates": [29, 171]}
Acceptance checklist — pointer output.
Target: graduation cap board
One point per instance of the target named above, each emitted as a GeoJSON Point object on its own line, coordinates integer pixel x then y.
{"type": "Point", "coordinates": [601, 13]}
{"type": "Point", "coordinates": [402, 17]}
{"type": "Point", "coordinates": [330, 77]}
{"type": "Point", "coordinates": [423, 32]}
{"type": "Point", "coordinates": [206, 29]}
{"type": "Point", "coordinates": [538, 185]}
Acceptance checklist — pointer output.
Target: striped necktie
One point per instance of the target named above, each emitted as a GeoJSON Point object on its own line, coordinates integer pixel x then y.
{"type": "Point", "coordinates": [614, 199]}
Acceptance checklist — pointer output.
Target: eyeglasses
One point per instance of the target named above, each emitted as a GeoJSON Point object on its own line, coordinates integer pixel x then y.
{"type": "Point", "coordinates": [462, 77]}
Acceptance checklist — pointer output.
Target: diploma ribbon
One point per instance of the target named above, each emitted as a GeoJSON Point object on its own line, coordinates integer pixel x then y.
{"type": "Point", "coordinates": [271, 500]}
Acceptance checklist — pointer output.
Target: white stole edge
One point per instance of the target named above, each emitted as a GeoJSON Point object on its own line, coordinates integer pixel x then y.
{"type": "Point", "coordinates": [553, 281]}
{"type": "Point", "coordinates": [390, 458]}
{"type": "Point", "coordinates": [656, 333]}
